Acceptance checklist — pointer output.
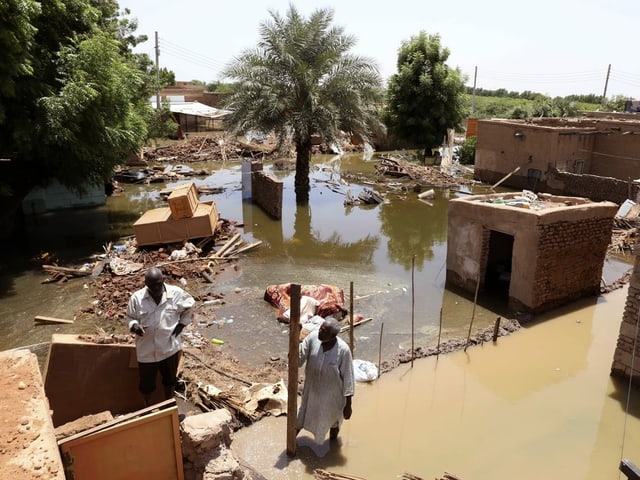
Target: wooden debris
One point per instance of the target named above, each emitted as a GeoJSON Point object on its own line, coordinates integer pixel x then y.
{"type": "Point", "coordinates": [73, 272]}
{"type": "Point", "coordinates": [427, 175]}
{"type": "Point", "coordinates": [39, 319]}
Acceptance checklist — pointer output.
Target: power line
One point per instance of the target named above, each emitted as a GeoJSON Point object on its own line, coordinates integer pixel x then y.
{"type": "Point", "coordinates": [176, 51]}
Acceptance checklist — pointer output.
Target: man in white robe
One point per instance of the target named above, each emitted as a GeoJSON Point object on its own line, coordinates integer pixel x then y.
{"type": "Point", "coordinates": [328, 383]}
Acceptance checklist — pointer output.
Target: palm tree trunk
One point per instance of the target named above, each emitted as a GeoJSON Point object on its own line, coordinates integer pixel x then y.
{"type": "Point", "coordinates": [303, 160]}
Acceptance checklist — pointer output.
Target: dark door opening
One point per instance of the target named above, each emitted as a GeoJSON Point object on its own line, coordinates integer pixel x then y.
{"type": "Point", "coordinates": [498, 272]}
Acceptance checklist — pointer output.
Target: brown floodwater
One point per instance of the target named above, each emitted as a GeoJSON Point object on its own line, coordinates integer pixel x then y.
{"type": "Point", "coordinates": [537, 404]}
{"type": "Point", "coordinates": [393, 254]}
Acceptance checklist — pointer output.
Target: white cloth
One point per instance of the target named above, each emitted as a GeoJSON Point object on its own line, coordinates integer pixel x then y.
{"type": "Point", "coordinates": [158, 321]}
{"type": "Point", "coordinates": [329, 378]}
{"type": "Point", "coordinates": [308, 307]}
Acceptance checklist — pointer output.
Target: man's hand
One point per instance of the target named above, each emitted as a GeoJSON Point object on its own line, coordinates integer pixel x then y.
{"type": "Point", "coordinates": [137, 329]}
{"type": "Point", "coordinates": [178, 329]}
{"type": "Point", "coordinates": [346, 412]}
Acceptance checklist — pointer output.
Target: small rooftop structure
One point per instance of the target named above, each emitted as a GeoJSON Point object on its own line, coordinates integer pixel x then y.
{"type": "Point", "coordinates": [539, 251]}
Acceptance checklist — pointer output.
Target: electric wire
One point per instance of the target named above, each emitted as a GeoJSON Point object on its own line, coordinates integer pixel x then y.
{"type": "Point", "coordinates": [176, 51]}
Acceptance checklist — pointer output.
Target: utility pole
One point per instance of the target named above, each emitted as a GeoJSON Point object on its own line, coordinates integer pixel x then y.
{"type": "Point", "coordinates": [606, 84]}
{"type": "Point", "coordinates": [473, 96]}
{"type": "Point", "coordinates": [157, 73]}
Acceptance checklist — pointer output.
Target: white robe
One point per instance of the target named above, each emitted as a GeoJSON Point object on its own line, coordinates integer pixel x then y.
{"type": "Point", "coordinates": [329, 378]}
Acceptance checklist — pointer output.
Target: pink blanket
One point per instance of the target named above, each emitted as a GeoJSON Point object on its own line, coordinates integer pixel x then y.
{"type": "Point", "coordinates": [331, 299]}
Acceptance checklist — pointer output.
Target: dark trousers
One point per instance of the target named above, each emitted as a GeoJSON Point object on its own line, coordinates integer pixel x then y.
{"type": "Point", "coordinates": [168, 371]}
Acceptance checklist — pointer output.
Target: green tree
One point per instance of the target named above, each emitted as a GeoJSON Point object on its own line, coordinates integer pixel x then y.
{"type": "Point", "coordinates": [301, 81]}
{"type": "Point", "coordinates": [74, 101]}
{"type": "Point", "coordinates": [425, 97]}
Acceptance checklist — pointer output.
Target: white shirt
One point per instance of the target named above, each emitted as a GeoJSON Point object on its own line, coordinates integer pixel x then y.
{"type": "Point", "coordinates": [158, 321]}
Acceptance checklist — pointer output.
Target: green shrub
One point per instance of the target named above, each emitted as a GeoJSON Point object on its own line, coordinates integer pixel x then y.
{"type": "Point", "coordinates": [467, 151]}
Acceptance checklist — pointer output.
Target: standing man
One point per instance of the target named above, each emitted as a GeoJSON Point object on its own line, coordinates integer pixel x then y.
{"type": "Point", "coordinates": [157, 314]}
{"type": "Point", "coordinates": [328, 381]}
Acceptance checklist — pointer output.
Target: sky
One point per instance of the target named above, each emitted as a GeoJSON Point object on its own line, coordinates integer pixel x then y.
{"type": "Point", "coordinates": [555, 47]}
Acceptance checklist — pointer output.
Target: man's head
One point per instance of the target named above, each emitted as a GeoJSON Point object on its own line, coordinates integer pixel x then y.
{"type": "Point", "coordinates": [154, 281]}
{"type": "Point", "coordinates": [329, 329]}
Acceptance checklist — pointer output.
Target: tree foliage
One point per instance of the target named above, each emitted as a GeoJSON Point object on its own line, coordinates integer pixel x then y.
{"type": "Point", "coordinates": [73, 96]}
{"type": "Point", "coordinates": [426, 96]}
{"type": "Point", "coordinates": [299, 81]}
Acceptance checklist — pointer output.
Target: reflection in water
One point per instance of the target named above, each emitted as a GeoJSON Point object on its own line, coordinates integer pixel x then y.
{"type": "Point", "coordinates": [538, 404]}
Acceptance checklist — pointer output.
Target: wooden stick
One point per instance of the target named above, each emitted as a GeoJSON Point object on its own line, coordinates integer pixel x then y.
{"type": "Point", "coordinates": [496, 329]}
{"type": "Point", "coordinates": [227, 245]}
{"type": "Point", "coordinates": [505, 177]}
{"type": "Point", "coordinates": [380, 349]}
{"type": "Point", "coordinates": [294, 342]}
{"type": "Point", "coordinates": [439, 334]}
{"type": "Point", "coordinates": [413, 262]}
{"type": "Point", "coordinates": [42, 320]}
{"type": "Point", "coordinates": [344, 328]}
{"type": "Point", "coordinates": [67, 271]}
{"type": "Point", "coordinates": [351, 345]}
{"type": "Point", "coordinates": [247, 247]}
{"type": "Point", "coordinates": [473, 314]}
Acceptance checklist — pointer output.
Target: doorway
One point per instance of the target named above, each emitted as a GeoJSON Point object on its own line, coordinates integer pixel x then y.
{"type": "Point", "coordinates": [499, 264]}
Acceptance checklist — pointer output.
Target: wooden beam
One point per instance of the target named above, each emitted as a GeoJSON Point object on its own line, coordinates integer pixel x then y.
{"type": "Point", "coordinates": [292, 388]}
{"type": "Point", "coordinates": [48, 320]}
{"type": "Point", "coordinates": [506, 176]}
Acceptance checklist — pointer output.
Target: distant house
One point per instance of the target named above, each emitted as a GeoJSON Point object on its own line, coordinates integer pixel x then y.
{"type": "Point", "coordinates": [195, 116]}
{"type": "Point", "coordinates": [596, 157]}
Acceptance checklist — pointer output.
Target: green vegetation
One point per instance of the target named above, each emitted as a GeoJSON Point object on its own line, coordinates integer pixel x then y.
{"type": "Point", "coordinates": [503, 104]}
{"type": "Point", "coordinates": [425, 97]}
{"type": "Point", "coordinates": [467, 151]}
{"type": "Point", "coordinates": [73, 98]}
{"type": "Point", "coordinates": [301, 81]}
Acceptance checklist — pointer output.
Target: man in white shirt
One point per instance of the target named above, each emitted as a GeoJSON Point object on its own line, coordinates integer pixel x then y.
{"type": "Point", "coordinates": [157, 314]}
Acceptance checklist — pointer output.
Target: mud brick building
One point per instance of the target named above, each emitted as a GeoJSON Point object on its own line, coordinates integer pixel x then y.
{"type": "Point", "coordinates": [625, 363]}
{"type": "Point", "coordinates": [593, 156]}
{"type": "Point", "coordinates": [536, 251]}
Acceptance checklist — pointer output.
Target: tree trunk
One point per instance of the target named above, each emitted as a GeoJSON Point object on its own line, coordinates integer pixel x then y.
{"type": "Point", "coordinates": [303, 160]}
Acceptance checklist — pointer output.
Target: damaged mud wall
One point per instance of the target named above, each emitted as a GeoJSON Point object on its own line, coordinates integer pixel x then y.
{"type": "Point", "coordinates": [625, 364]}
{"type": "Point", "coordinates": [266, 191]}
{"type": "Point", "coordinates": [591, 186]}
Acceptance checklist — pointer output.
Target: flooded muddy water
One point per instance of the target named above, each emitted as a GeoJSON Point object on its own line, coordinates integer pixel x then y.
{"type": "Point", "coordinates": [537, 404]}
{"type": "Point", "coordinates": [393, 254]}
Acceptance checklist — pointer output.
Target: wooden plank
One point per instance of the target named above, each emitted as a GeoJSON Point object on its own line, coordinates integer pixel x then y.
{"type": "Point", "coordinates": [147, 446]}
{"type": "Point", "coordinates": [294, 342]}
{"type": "Point", "coordinates": [42, 320]}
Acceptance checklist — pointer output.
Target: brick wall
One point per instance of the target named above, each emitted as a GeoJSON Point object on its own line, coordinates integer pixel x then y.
{"type": "Point", "coordinates": [570, 260]}
{"type": "Point", "coordinates": [623, 357]}
{"type": "Point", "coordinates": [591, 186]}
{"type": "Point", "coordinates": [266, 192]}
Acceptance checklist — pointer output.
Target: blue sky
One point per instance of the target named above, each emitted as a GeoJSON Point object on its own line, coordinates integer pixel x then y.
{"type": "Point", "coordinates": [556, 47]}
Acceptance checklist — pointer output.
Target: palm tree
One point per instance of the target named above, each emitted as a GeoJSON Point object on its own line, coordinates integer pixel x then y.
{"type": "Point", "coordinates": [301, 81]}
